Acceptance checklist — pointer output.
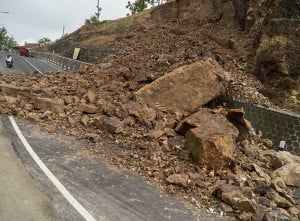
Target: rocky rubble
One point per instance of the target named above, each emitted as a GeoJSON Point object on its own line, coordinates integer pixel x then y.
{"type": "Point", "coordinates": [202, 157]}
{"type": "Point", "coordinates": [212, 158]}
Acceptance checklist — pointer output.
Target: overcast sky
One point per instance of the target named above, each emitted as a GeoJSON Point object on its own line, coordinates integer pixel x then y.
{"type": "Point", "coordinates": [30, 20]}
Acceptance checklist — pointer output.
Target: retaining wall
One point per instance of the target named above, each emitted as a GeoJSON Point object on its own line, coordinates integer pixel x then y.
{"type": "Point", "coordinates": [62, 62]}
{"type": "Point", "coordinates": [276, 125]}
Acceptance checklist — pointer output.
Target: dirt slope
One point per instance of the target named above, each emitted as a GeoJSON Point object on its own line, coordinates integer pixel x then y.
{"type": "Point", "coordinates": [249, 38]}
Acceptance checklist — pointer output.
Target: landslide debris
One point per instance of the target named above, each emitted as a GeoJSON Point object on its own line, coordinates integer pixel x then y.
{"type": "Point", "coordinates": [202, 158]}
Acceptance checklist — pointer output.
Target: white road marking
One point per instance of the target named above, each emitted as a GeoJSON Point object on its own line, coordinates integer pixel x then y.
{"type": "Point", "coordinates": [83, 212]}
{"type": "Point", "coordinates": [32, 65]}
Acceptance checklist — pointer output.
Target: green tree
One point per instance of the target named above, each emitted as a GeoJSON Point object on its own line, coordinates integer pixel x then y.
{"type": "Point", "coordinates": [137, 6]}
{"type": "Point", "coordinates": [6, 42]}
{"type": "Point", "coordinates": [44, 41]}
{"type": "Point", "coordinates": [91, 20]}
{"type": "Point", "coordinates": [141, 5]}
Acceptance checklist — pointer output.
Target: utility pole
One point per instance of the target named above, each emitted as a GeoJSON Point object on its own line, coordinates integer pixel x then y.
{"type": "Point", "coordinates": [63, 31]}
{"type": "Point", "coordinates": [99, 9]}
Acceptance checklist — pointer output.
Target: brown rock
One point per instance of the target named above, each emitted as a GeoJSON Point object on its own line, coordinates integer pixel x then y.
{"type": "Point", "coordinates": [244, 216]}
{"type": "Point", "coordinates": [90, 97]}
{"type": "Point", "coordinates": [92, 137]}
{"type": "Point", "coordinates": [88, 109]}
{"type": "Point", "coordinates": [179, 179]}
{"type": "Point", "coordinates": [71, 120]}
{"type": "Point", "coordinates": [155, 133]}
{"type": "Point", "coordinates": [49, 128]}
{"type": "Point", "coordinates": [142, 112]}
{"type": "Point", "coordinates": [279, 200]}
{"type": "Point", "coordinates": [238, 116]}
{"type": "Point", "coordinates": [68, 99]}
{"type": "Point", "coordinates": [213, 150]}
{"type": "Point", "coordinates": [4, 110]}
{"type": "Point", "coordinates": [289, 174]}
{"type": "Point", "coordinates": [264, 201]}
{"type": "Point", "coordinates": [14, 91]}
{"type": "Point", "coordinates": [34, 117]}
{"type": "Point", "coordinates": [11, 100]}
{"type": "Point", "coordinates": [262, 174]}
{"type": "Point", "coordinates": [225, 207]}
{"type": "Point", "coordinates": [84, 120]}
{"type": "Point", "coordinates": [233, 196]}
{"type": "Point", "coordinates": [280, 158]}
{"type": "Point", "coordinates": [45, 104]}
{"type": "Point", "coordinates": [186, 88]}
{"type": "Point", "coordinates": [196, 176]}
{"type": "Point", "coordinates": [294, 211]}
{"type": "Point", "coordinates": [111, 124]}
{"type": "Point", "coordinates": [205, 119]}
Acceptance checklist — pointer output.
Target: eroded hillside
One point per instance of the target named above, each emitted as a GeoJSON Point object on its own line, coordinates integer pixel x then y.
{"type": "Point", "coordinates": [251, 39]}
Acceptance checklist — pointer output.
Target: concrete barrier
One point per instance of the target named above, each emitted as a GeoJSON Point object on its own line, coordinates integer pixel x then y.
{"type": "Point", "coordinates": [275, 124]}
{"type": "Point", "coordinates": [62, 62]}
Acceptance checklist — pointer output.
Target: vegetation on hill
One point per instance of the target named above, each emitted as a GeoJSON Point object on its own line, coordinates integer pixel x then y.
{"type": "Point", "coordinates": [6, 42]}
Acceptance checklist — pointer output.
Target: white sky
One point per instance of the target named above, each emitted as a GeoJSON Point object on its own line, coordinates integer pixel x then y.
{"type": "Point", "coordinates": [31, 20]}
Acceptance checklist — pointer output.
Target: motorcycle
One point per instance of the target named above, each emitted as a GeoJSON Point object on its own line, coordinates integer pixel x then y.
{"type": "Point", "coordinates": [9, 61]}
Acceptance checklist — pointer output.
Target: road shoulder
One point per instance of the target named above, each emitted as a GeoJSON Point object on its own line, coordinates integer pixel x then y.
{"type": "Point", "coordinates": [20, 197]}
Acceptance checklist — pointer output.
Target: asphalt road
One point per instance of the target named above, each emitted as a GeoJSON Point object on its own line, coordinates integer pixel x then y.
{"type": "Point", "coordinates": [106, 193]}
{"type": "Point", "coordinates": [24, 64]}
{"type": "Point", "coordinates": [20, 198]}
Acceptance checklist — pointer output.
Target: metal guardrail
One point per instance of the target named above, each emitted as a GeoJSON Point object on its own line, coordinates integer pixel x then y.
{"type": "Point", "coordinates": [64, 63]}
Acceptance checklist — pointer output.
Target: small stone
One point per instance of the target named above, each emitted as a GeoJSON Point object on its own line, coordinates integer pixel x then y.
{"type": "Point", "coordinates": [211, 173]}
{"type": "Point", "coordinates": [195, 176]}
{"type": "Point", "coordinates": [90, 97]}
{"type": "Point", "coordinates": [110, 124]}
{"type": "Point", "coordinates": [34, 117]}
{"type": "Point", "coordinates": [86, 108]}
{"type": "Point", "coordinates": [294, 211]}
{"type": "Point", "coordinates": [49, 128]}
{"type": "Point", "coordinates": [92, 137]}
{"type": "Point", "coordinates": [180, 179]}
{"type": "Point", "coordinates": [71, 121]}
{"type": "Point", "coordinates": [135, 156]}
{"type": "Point", "coordinates": [84, 120]}
{"type": "Point", "coordinates": [225, 207]}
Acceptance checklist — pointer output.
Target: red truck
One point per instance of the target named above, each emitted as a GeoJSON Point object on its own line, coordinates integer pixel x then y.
{"type": "Point", "coordinates": [28, 52]}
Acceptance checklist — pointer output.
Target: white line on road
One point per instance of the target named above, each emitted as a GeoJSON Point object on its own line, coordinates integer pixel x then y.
{"type": "Point", "coordinates": [83, 212]}
{"type": "Point", "coordinates": [32, 65]}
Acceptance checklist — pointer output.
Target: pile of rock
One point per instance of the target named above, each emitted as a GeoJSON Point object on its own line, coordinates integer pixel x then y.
{"type": "Point", "coordinates": [165, 135]}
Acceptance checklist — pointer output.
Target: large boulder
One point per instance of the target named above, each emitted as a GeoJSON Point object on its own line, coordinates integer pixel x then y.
{"type": "Point", "coordinates": [212, 140]}
{"type": "Point", "coordinates": [187, 88]}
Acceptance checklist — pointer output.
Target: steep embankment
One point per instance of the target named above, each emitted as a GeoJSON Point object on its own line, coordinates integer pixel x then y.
{"type": "Point", "coordinates": [248, 38]}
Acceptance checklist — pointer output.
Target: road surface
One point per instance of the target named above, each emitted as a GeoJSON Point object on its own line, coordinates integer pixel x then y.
{"type": "Point", "coordinates": [52, 177]}
{"type": "Point", "coordinates": [24, 64]}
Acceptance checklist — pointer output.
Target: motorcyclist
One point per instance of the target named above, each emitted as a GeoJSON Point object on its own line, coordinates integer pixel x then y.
{"type": "Point", "coordinates": [9, 60]}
